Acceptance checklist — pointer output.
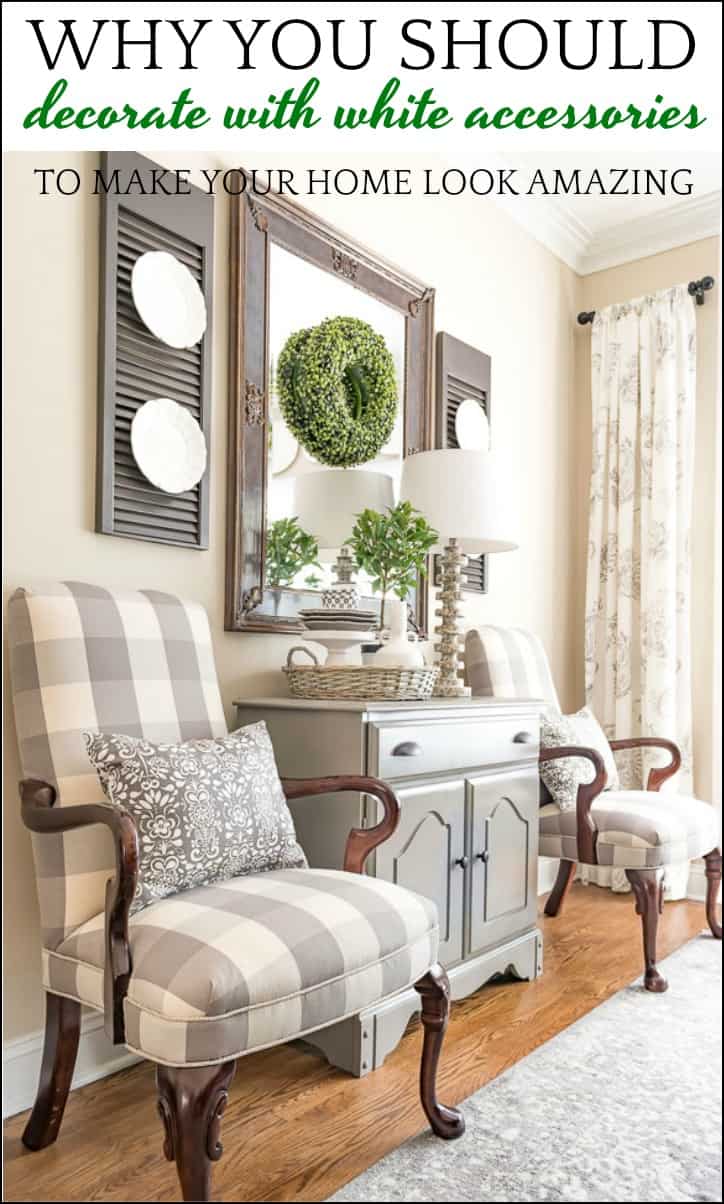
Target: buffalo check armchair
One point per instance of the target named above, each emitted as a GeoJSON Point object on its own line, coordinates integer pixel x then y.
{"type": "Point", "coordinates": [640, 831]}
{"type": "Point", "coordinates": [198, 979]}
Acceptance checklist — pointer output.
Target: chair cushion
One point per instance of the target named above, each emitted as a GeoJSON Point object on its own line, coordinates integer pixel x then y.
{"type": "Point", "coordinates": [637, 829]}
{"type": "Point", "coordinates": [221, 970]}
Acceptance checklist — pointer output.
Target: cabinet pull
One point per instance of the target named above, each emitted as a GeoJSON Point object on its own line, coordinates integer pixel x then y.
{"type": "Point", "coordinates": [408, 748]}
{"type": "Point", "coordinates": [463, 862]}
{"type": "Point", "coordinates": [524, 738]}
{"type": "Point", "coordinates": [484, 856]}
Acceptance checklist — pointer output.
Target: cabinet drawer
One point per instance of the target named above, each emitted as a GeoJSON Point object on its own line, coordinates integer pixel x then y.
{"type": "Point", "coordinates": [398, 750]}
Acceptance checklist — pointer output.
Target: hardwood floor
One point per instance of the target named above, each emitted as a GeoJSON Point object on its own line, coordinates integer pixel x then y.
{"type": "Point", "coordinates": [295, 1129]}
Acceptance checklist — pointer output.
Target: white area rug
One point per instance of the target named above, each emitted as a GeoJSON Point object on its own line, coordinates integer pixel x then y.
{"type": "Point", "coordinates": [623, 1105]}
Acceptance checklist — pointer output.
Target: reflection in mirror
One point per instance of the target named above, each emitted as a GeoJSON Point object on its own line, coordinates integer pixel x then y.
{"type": "Point", "coordinates": [311, 508]}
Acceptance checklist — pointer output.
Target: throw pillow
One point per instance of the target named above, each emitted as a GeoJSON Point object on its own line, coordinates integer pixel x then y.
{"type": "Point", "coordinates": [206, 810]}
{"type": "Point", "coordinates": [564, 776]}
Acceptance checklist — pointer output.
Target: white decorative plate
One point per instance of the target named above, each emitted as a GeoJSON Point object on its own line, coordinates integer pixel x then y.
{"type": "Point", "coordinates": [472, 429]}
{"type": "Point", "coordinates": [168, 299]}
{"type": "Point", "coordinates": [168, 445]}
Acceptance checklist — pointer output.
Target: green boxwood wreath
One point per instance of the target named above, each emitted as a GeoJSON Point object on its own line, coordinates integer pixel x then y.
{"type": "Point", "coordinates": [337, 391]}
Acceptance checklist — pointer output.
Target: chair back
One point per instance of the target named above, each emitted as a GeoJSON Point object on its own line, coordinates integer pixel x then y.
{"type": "Point", "coordinates": [83, 657]}
{"type": "Point", "coordinates": [508, 662]}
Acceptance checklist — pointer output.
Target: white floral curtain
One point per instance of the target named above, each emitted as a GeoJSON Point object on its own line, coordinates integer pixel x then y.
{"type": "Point", "coordinates": [643, 378]}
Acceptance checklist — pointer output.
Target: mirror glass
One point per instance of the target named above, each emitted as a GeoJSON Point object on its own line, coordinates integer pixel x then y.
{"type": "Point", "coordinates": [302, 295]}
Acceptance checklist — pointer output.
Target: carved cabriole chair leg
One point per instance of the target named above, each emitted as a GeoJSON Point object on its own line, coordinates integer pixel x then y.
{"type": "Point", "coordinates": [648, 889]}
{"type": "Point", "coordinates": [62, 1030]}
{"type": "Point", "coordinates": [434, 992]}
{"type": "Point", "coordinates": [566, 871]}
{"type": "Point", "coordinates": [191, 1100]}
{"type": "Point", "coordinates": [712, 863]}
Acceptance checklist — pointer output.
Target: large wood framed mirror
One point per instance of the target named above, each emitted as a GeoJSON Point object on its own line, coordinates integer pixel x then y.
{"type": "Point", "coordinates": [289, 271]}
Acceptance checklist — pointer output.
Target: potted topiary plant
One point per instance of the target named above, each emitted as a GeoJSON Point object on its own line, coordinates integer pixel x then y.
{"type": "Point", "coordinates": [289, 549]}
{"type": "Point", "coordinates": [392, 549]}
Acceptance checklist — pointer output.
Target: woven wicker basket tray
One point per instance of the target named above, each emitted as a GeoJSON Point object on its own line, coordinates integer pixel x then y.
{"type": "Point", "coordinates": [358, 682]}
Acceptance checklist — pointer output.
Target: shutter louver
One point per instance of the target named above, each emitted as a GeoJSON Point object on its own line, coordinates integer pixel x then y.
{"type": "Point", "coordinates": [136, 366]}
{"type": "Point", "coordinates": [462, 372]}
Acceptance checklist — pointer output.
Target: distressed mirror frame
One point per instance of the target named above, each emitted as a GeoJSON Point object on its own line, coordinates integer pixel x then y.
{"type": "Point", "coordinates": [256, 222]}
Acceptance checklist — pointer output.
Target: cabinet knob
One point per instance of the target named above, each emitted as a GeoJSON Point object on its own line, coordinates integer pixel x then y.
{"type": "Point", "coordinates": [408, 748]}
{"type": "Point", "coordinates": [463, 862]}
{"type": "Point", "coordinates": [524, 738]}
{"type": "Point", "coordinates": [484, 856]}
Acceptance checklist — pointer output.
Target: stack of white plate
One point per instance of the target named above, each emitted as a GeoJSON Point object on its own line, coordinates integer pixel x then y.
{"type": "Point", "coordinates": [338, 620]}
{"type": "Point", "coordinates": [341, 632]}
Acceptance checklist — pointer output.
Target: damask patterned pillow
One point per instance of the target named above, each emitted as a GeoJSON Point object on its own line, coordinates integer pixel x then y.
{"type": "Point", "coordinates": [206, 810]}
{"type": "Point", "coordinates": [563, 777]}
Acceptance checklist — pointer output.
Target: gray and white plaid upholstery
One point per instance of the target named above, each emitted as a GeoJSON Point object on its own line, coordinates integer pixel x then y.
{"type": "Point", "coordinates": [221, 970]}
{"type": "Point", "coordinates": [507, 662]}
{"type": "Point", "coordinates": [637, 829]}
{"type": "Point", "coordinates": [81, 656]}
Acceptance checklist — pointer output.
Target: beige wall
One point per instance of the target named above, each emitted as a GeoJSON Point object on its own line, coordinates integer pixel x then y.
{"type": "Point", "coordinates": [620, 284]}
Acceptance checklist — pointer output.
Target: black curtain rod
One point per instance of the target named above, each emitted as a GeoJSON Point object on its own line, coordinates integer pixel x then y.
{"type": "Point", "coordinates": [696, 288]}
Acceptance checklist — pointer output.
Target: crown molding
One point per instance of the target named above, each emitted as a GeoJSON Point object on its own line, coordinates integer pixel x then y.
{"type": "Point", "coordinates": [556, 225]}
{"type": "Point", "coordinates": [688, 221]}
{"type": "Point", "coordinates": [558, 228]}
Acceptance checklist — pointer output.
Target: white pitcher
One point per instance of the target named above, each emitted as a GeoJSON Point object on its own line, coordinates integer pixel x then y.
{"type": "Point", "coordinates": [397, 652]}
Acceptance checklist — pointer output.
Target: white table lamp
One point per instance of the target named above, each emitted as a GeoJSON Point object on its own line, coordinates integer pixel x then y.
{"type": "Point", "coordinates": [462, 495]}
{"type": "Point", "coordinates": [327, 504]}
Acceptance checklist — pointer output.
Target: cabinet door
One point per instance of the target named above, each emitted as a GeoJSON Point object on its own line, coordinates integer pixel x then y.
{"type": "Point", "coordinates": [426, 854]}
{"type": "Point", "coordinates": [504, 856]}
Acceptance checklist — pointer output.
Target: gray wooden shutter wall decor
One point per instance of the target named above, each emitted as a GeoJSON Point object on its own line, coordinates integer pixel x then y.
{"type": "Point", "coordinates": [461, 372]}
{"type": "Point", "coordinates": [135, 366]}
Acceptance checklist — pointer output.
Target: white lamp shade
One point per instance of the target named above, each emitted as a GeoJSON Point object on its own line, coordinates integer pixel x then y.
{"type": "Point", "coordinates": [462, 495]}
{"type": "Point", "coordinates": [327, 503]}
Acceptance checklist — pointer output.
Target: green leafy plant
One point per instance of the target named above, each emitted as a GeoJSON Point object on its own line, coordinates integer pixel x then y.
{"type": "Point", "coordinates": [392, 548]}
{"type": "Point", "coordinates": [289, 549]}
{"type": "Point", "coordinates": [337, 391]}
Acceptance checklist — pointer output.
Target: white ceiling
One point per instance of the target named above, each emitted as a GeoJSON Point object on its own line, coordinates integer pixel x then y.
{"type": "Point", "coordinates": [599, 231]}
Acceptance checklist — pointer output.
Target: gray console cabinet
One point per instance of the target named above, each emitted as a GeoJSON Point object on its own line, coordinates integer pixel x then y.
{"type": "Point", "coordinates": [466, 774]}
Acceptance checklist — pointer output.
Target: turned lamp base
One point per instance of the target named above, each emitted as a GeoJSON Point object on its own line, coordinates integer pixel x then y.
{"type": "Point", "coordinates": [447, 647]}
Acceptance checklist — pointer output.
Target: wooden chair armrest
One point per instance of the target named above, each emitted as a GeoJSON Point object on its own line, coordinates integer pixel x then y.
{"type": "Point", "coordinates": [587, 792]}
{"type": "Point", "coordinates": [657, 776]}
{"type": "Point", "coordinates": [40, 814]}
{"type": "Point", "coordinates": [361, 841]}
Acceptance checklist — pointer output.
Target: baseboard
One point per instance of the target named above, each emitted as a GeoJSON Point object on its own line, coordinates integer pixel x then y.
{"type": "Point", "coordinates": [97, 1057]}
{"type": "Point", "coordinates": [547, 871]}
{"type": "Point", "coordinates": [696, 887]}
